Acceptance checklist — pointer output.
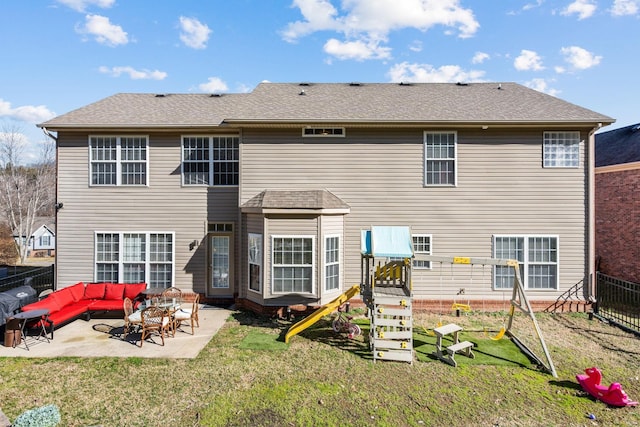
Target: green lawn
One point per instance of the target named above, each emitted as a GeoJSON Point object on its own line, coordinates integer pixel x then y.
{"type": "Point", "coordinates": [248, 376]}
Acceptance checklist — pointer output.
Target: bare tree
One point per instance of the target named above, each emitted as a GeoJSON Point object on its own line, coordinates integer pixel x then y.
{"type": "Point", "coordinates": [25, 191]}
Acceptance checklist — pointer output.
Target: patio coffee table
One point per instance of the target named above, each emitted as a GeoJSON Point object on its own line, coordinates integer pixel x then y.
{"type": "Point", "coordinates": [27, 316]}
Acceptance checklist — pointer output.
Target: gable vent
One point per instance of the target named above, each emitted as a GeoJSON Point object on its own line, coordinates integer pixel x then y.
{"type": "Point", "coordinates": [316, 131]}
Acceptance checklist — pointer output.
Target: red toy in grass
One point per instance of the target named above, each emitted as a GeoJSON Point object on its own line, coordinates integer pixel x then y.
{"type": "Point", "coordinates": [612, 395]}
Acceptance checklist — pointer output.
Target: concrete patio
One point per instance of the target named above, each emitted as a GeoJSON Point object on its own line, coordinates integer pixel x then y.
{"type": "Point", "coordinates": [103, 338]}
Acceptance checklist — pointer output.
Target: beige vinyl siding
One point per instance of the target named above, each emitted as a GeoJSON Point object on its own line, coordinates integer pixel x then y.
{"type": "Point", "coordinates": [501, 189]}
{"type": "Point", "coordinates": [162, 206]}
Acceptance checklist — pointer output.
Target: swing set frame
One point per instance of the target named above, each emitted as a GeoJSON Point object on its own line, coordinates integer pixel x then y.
{"type": "Point", "coordinates": [518, 301]}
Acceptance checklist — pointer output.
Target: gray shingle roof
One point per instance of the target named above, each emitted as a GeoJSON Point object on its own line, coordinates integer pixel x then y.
{"type": "Point", "coordinates": [150, 110]}
{"type": "Point", "coordinates": [509, 103]}
{"type": "Point", "coordinates": [618, 146]}
{"type": "Point", "coordinates": [304, 199]}
{"type": "Point", "coordinates": [421, 102]}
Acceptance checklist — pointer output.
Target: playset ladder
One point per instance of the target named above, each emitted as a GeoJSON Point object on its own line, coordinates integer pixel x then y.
{"type": "Point", "coordinates": [391, 316]}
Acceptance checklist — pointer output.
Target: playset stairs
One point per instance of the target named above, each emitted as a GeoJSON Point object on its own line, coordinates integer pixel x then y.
{"type": "Point", "coordinates": [391, 333]}
{"type": "Point", "coordinates": [387, 294]}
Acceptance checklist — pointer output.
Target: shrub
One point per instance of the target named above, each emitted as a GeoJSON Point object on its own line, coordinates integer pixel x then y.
{"type": "Point", "coordinates": [45, 416]}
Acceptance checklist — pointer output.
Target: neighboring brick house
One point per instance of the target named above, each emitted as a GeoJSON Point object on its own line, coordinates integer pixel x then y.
{"type": "Point", "coordinates": [617, 198]}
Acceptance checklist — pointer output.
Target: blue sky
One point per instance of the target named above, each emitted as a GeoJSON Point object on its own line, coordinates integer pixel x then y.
{"type": "Point", "coordinates": [59, 55]}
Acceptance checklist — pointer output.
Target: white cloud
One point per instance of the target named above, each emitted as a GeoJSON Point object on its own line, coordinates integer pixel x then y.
{"type": "Point", "coordinates": [541, 85]}
{"type": "Point", "coordinates": [243, 88]}
{"type": "Point", "coordinates": [213, 85]}
{"type": "Point", "coordinates": [369, 22]}
{"type": "Point", "coordinates": [425, 73]}
{"type": "Point", "coordinates": [580, 58]}
{"type": "Point", "coordinates": [534, 5]}
{"type": "Point", "coordinates": [133, 73]}
{"type": "Point", "coordinates": [479, 58]}
{"type": "Point", "coordinates": [583, 8]}
{"type": "Point", "coordinates": [81, 5]}
{"type": "Point", "coordinates": [416, 46]}
{"type": "Point", "coordinates": [103, 30]}
{"type": "Point", "coordinates": [625, 7]}
{"type": "Point", "coordinates": [26, 113]}
{"type": "Point", "coordinates": [528, 60]}
{"type": "Point", "coordinates": [319, 15]}
{"type": "Point", "coordinates": [194, 33]}
{"type": "Point", "coordinates": [358, 49]}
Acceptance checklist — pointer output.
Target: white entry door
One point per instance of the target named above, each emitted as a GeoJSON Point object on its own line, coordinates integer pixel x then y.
{"type": "Point", "coordinates": [220, 252]}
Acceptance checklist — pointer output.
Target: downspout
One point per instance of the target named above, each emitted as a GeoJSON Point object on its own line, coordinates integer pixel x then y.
{"type": "Point", "coordinates": [591, 209]}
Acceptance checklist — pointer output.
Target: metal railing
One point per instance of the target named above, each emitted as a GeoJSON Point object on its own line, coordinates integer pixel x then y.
{"type": "Point", "coordinates": [618, 302]}
{"type": "Point", "coordinates": [39, 278]}
{"type": "Point", "coordinates": [573, 299]}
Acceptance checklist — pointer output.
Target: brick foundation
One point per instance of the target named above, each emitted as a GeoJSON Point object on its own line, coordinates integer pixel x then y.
{"type": "Point", "coordinates": [423, 305]}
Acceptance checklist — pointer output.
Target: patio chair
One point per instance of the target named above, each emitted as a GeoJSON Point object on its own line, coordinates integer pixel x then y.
{"type": "Point", "coordinates": [172, 292]}
{"type": "Point", "coordinates": [154, 320]}
{"type": "Point", "coordinates": [132, 319]}
{"type": "Point", "coordinates": [188, 311]}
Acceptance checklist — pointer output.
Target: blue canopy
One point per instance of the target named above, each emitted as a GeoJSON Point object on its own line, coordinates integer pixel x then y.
{"type": "Point", "coordinates": [387, 241]}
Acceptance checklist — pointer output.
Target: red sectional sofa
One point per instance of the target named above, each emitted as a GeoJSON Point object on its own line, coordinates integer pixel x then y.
{"type": "Point", "coordinates": [74, 301]}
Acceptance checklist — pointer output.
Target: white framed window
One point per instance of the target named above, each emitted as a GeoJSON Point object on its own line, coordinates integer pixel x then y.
{"type": "Point", "coordinates": [135, 257]}
{"type": "Point", "coordinates": [440, 152]}
{"type": "Point", "coordinates": [292, 264]}
{"type": "Point", "coordinates": [210, 160]}
{"type": "Point", "coordinates": [118, 160]}
{"type": "Point", "coordinates": [319, 132]}
{"type": "Point", "coordinates": [161, 258]}
{"type": "Point", "coordinates": [331, 263]}
{"type": "Point", "coordinates": [220, 227]}
{"type": "Point", "coordinates": [421, 245]}
{"type": "Point", "coordinates": [45, 240]}
{"type": "Point", "coordinates": [561, 149]}
{"type": "Point", "coordinates": [255, 262]}
{"type": "Point", "coordinates": [538, 258]}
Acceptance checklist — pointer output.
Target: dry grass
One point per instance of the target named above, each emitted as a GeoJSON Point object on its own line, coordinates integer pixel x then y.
{"type": "Point", "coordinates": [325, 379]}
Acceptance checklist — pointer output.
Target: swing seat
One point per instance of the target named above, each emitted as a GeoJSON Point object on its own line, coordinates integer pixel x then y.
{"type": "Point", "coordinates": [499, 335]}
{"type": "Point", "coordinates": [462, 307]}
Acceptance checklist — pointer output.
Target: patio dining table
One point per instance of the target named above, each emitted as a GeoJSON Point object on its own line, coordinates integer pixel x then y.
{"type": "Point", "coordinates": [169, 305]}
{"type": "Point", "coordinates": [152, 292]}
